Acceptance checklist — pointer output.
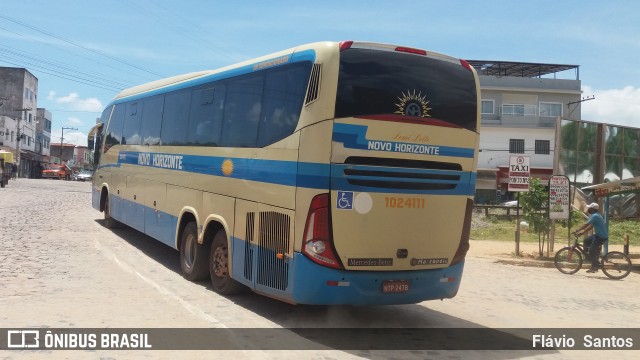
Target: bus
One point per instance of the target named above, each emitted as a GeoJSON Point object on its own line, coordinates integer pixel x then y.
{"type": "Point", "coordinates": [329, 173]}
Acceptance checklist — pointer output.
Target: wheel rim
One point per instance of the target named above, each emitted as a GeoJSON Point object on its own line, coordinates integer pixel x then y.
{"type": "Point", "coordinates": [219, 264]}
{"type": "Point", "coordinates": [568, 261]}
{"type": "Point", "coordinates": [190, 251]}
{"type": "Point", "coordinates": [616, 265]}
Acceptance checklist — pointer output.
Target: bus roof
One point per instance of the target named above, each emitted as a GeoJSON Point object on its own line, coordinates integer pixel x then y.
{"type": "Point", "coordinates": [176, 80]}
{"type": "Point", "coordinates": [305, 52]}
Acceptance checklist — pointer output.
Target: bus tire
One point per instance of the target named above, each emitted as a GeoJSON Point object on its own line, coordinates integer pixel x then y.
{"type": "Point", "coordinates": [219, 266]}
{"type": "Point", "coordinates": [193, 256]}
{"type": "Point", "coordinates": [109, 222]}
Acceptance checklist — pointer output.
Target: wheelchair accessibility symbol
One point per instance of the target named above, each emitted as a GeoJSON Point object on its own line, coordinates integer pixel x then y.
{"type": "Point", "coordinates": [345, 200]}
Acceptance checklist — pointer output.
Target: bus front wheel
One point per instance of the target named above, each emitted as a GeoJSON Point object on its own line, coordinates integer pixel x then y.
{"type": "Point", "coordinates": [109, 221]}
{"type": "Point", "coordinates": [219, 266]}
{"type": "Point", "coordinates": [193, 256]}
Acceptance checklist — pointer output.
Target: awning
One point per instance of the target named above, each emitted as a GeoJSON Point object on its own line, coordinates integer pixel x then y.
{"type": "Point", "coordinates": [6, 156]}
{"type": "Point", "coordinates": [616, 187]}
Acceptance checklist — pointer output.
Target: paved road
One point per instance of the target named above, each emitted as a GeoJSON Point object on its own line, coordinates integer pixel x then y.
{"type": "Point", "coordinates": [60, 268]}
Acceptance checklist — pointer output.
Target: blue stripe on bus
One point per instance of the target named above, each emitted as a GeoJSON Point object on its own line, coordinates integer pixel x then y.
{"type": "Point", "coordinates": [355, 137]}
{"type": "Point", "coordinates": [289, 173]}
{"type": "Point", "coordinates": [301, 56]}
{"type": "Point", "coordinates": [472, 183]}
{"type": "Point", "coordinates": [292, 173]}
{"type": "Point", "coordinates": [310, 284]}
{"type": "Point", "coordinates": [155, 223]}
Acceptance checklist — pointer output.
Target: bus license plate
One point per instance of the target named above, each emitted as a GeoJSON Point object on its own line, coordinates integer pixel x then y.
{"type": "Point", "coordinates": [395, 286]}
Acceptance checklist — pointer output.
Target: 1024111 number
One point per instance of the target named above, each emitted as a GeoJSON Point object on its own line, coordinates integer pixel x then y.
{"type": "Point", "coordinates": [397, 202]}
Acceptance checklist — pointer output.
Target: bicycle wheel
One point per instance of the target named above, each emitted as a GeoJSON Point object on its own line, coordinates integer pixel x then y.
{"type": "Point", "coordinates": [616, 265]}
{"type": "Point", "coordinates": [568, 260]}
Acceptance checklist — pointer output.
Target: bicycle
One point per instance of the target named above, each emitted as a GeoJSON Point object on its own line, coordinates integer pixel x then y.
{"type": "Point", "coordinates": [614, 264]}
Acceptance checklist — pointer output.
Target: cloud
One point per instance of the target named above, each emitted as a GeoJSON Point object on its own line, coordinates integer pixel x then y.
{"type": "Point", "coordinates": [75, 121]}
{"type": "Point", "coordinates": [76, 103]}
{"type": "Point", "coordinates": [613, 106]}
{"type": "Point", "coordinates": [70, 137]}
{"type": "Point", "coordinates": [51, 96]}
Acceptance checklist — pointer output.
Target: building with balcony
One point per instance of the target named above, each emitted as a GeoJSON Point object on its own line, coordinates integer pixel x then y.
{"type": "Point", "coordinates": [43, 134]}
{"type": "Point", "coordinates": [63, 153]}
{"type": "Point", "coordinates": [18, 99]}
{"type": "Point", "coordinates": [82, 158]}
{"type": "Point", "coordinates": [521, 104]}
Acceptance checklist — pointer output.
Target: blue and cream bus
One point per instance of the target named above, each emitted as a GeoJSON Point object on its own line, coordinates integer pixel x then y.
{"type": "Point", "coordinates": [330, 173]}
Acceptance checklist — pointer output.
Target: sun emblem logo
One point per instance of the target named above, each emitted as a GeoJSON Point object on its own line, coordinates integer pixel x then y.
{"type": "Point", "coordinates": [412, 104]}
{"type": "Point", "coordinates": [227, 167]}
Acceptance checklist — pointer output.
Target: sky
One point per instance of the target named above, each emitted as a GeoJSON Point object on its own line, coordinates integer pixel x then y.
{"type": "Point", "coordinates": [85, 52]}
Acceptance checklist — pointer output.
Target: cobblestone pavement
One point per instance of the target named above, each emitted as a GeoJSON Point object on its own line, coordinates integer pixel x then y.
{"type": "Point", "coordinates": [60, 268]}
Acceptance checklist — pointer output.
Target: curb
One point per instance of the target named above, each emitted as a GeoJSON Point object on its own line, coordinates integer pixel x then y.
{"type": "Point", "coordinates": [635, 267]}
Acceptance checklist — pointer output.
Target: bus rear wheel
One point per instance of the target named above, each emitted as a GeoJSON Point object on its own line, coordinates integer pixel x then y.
{"type": "Point", "coordinates": [219, 266]}
{"type": "Point", "coordinates": [193, 256]}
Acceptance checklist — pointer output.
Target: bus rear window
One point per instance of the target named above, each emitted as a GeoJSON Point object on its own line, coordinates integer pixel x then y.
{"type": "Point", "coordinates": [373, 82]}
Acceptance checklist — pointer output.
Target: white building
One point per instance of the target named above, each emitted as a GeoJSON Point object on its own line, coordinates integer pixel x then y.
{"type": "Point", "coordinates": [520, 105]}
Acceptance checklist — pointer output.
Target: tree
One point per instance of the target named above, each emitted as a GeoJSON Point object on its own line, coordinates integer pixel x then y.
{"type": "Point", "coordinates": [534, 206]}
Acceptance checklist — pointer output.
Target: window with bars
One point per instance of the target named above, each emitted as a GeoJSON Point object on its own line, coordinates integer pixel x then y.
{"type": "Point", "coordinates": [516, 146]}
{"type": "Point", "coordinates": [542, 147]}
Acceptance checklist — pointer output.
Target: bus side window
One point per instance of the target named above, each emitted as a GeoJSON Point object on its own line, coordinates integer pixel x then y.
{"type": "Point", "coordinates": [284, 93]}
{"type": "Point", "coordinates": [205, 120]}
{"type": "Point", "coordinates": [242, 109]}
{"type": "Point", "coordinates": [152, 120]}
{"type": "Point", "coordinates": [175, 118]}
{"type": "Point", "coordinates": [114, 132]}
{"type": "Point", "coordinates": [106, 114]}
{"type": "Point", "coordinates": [131, 131]}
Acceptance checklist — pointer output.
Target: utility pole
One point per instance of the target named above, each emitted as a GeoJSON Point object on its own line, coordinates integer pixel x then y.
{"type": "Point", "coordinates": [577, 102]}
{"type": "Point", "coordinates": [62, 140]}
{"type": "Point", "coordinates": [19, 134]}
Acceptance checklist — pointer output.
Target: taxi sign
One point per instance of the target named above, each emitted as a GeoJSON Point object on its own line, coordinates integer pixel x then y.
{"type": "Point", "coordinates": [519, 172]}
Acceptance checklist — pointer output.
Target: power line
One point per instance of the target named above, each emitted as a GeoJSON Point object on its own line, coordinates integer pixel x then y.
{"type": "Point", "coordinates": [85, 79]}
{"type": "Point", "coordinates": [79, 45]}
{"type": "Point", "coordinates": [60, 67]}
{"type": "Point", "coordinates": [196, 26]}
{"type": "Point", "coordinates": [64, 77]}
{"type": "Point", "coordinates": [177, 28]}
{"type": "Point", "coordinates": [25, 36]}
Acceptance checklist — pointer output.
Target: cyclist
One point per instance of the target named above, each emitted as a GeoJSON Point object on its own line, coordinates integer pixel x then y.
{"type": "Point", "coordinates": [595, 221]}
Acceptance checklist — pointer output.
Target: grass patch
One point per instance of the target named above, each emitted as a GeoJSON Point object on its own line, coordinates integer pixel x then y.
{"type": "Point", "coordinates": [504, 230]}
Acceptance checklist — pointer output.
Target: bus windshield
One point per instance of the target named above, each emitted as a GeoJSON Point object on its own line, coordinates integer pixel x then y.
{"type": "Point", "coordinates": [373, 82]}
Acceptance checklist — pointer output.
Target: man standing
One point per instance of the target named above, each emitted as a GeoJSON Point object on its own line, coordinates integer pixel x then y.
{"type": "Point", "coordinates": [595, 221]}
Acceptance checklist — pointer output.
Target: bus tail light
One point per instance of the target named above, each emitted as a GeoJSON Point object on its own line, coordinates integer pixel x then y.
{"type": "Point", "coordinates": [411, 50]}
{"type": "Point", "coordinates": [317, 243]}
{"type": "Point", "coordinates": [344, 45]}
{"type": "Point", "coordinates": [465, 64]}
{"type": "Point", "coordinates": [463, 247]}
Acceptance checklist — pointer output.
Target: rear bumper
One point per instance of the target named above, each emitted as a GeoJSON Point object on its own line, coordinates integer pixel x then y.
{"type": "Point", "coordinates": [319, 285]}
